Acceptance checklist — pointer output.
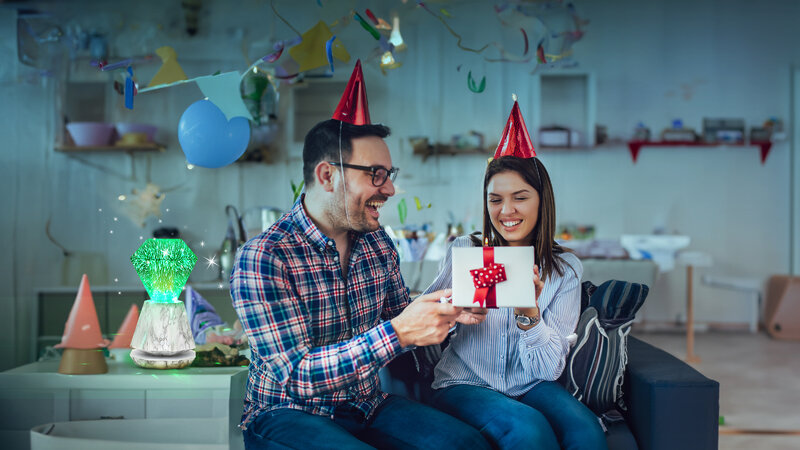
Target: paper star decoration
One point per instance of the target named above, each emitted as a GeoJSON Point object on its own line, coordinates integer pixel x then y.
{"type": "Point", "coordinates": [170, 70]}
{"type": "Point", "coordinates": [223, 91]}
{"type": "Point", "coordinates": [310, 53]}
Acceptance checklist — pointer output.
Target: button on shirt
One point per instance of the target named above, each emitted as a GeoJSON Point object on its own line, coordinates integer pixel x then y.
{"type": "Point", "coordinates": [317, 339]}
{"type": "Point", "coordinates": [499, 355]}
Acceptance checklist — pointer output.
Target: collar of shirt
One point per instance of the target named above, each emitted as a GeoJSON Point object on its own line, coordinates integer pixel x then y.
{"type": "Point", "coordinates": [310, 231]}
{"type": "Point", "coordinates": [307, 226]}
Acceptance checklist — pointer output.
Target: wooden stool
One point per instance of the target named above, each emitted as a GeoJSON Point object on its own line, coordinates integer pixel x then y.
{"type": "Point", "coordinates": [691, 260]}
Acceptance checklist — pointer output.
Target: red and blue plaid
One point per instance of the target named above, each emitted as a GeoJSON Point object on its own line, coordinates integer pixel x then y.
{"type": "Point", "coordinates": [317, 339]}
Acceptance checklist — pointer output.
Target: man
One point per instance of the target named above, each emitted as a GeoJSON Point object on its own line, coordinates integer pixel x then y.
{"type": "Point", "coordinates": [322, 301]}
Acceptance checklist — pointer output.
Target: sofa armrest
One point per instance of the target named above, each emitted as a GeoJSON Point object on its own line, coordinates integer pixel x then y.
{"type": "Point", "coordinates": [670, 405]}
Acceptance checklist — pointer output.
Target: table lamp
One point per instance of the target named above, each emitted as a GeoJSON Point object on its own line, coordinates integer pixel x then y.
{"type": "Point", "coordinates": [163, 338]}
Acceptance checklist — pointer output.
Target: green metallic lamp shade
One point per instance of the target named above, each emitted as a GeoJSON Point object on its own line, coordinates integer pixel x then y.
{"type": "Point", "coordinates": [164, 265]}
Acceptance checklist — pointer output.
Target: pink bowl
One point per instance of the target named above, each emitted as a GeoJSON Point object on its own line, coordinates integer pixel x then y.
{"type": "Point", "coordinates": [86, 134]}
{"type": "Point", "coordinates": [126, 127]}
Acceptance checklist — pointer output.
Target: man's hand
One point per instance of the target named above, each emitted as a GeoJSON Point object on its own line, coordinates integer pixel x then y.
{"type": "Point", "coordinates": [425, 321]}
{"type": "Point", "coordinates": [472, 316]}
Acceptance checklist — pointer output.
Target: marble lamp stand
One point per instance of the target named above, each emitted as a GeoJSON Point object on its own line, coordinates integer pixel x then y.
{"type": "Point", "coordinates": [163, 338]}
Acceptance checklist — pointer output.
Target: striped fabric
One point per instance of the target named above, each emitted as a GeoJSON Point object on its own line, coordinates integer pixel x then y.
{"type": "Point", "coordinates": [596, 366]}
{"type": "Point", "coordinates": [497, 354]}
{"type": "Point", "coordinates": [617, 301]}
{"type": "Point", "coordinates": [317, 340]}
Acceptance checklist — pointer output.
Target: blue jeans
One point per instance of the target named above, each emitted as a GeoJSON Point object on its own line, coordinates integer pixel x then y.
{"type": "Point", "coordinates": [397, 423]}
{"type": "Point", "coordinates": [546, 417]}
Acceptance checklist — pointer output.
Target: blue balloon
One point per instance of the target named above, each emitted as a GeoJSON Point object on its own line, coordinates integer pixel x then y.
{"type": "Point", "coordinates": [208, 139]}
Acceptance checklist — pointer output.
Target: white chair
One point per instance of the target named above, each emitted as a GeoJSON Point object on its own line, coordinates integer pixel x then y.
{"type": "Point", "coordinates": [751, 287]}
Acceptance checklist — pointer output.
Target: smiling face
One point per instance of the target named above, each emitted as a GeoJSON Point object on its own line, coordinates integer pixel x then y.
{"type": "Point", "coordinates": [363, 199]}
{"type": "Point", "coordinates": [513, 207]}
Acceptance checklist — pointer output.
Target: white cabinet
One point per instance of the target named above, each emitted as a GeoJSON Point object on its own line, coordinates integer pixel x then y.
{"type": "Point", "coordinates": [36, 393]}
{"type": "Point", "coordinates": [93, 404]}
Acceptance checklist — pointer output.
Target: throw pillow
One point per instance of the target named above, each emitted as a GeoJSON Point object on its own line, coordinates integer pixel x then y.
{"type": "Point", "coordinates": [595, 367]}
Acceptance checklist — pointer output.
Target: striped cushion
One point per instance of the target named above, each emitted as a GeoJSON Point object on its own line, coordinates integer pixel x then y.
{"type": "Point", "coordinates": [617, 301]}
{"type": "Point", "coordinates": [596, 365]}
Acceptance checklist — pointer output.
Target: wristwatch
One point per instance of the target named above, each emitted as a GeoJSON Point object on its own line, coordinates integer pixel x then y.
{"type": "Point", "coordinates": [526, 321]}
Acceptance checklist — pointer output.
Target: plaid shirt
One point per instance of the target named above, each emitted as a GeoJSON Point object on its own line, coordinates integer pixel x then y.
{"type": "Point", "coordinates": [317, 339]}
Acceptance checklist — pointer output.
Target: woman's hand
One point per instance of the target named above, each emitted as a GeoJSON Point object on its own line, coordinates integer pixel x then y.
{"type": "Point", "coordinates": [538, 286]}
{"type": "Point", "coordinates": [472, 316]}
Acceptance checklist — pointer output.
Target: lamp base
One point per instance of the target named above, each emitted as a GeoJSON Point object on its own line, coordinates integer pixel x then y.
{"type": "Point", "coordinates": [151, 361]}
{"type": "Point", "coordinates": [163, 329]}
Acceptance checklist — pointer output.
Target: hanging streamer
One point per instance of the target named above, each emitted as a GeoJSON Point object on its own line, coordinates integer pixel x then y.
{"type": "Point", "coordinates": [367, 26]}
{"type": "Point", "coordinates": [272, 4]}
{"type": "Point", "coordinates": [419, 204]}
{"type": "Point", "coordinates": [402, 211]}
{"type": "Point", "coordinates": [473, 87]}
{"type": "Point", "coordinates": [504, 56]}
{"type": "Point", "coordinates": [525, 36]}
{"type": "Point", "coordinates": [130, 88]}
{"type": "Point", "coordinates": [457, 36]}
{"type": "Point", "coordinates": [372, 17]}
{"type": "Point", "coordinates": [329, 51]}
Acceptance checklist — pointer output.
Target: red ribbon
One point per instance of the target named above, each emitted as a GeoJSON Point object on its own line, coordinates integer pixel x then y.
{"type": "Point", "coordinates": [486, 278]}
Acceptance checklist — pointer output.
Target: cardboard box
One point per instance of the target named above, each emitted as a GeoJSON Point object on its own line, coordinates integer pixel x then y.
{"type": "Point", "coordinates": [516, 291]}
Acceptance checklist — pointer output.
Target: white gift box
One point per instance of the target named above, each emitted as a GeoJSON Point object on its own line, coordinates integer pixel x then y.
{"type": "Point", "coordinates": [517, 291]}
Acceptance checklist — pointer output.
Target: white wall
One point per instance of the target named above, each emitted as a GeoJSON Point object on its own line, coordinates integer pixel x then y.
{"type": "Point", "coordinates": [652, 62]}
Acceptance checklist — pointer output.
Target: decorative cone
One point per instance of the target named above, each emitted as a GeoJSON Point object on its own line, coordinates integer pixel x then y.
{"type": "Point", "coordinates": [82, 341]}
{"type": "Point", "coordinates": [125, 332]}
{"type": "Point", "coordinates": [515, 140]}
{"type": "Point", "coordinates": [82, 329]}
{"type": "Point", "coordinates": [353, 107]}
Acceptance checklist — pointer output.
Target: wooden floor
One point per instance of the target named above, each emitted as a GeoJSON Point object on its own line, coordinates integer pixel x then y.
{"type": "Point", "coordinates": [759, 385]}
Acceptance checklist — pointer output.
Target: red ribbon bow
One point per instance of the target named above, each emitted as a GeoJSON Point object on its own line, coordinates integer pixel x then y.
{"type": "Point", "coordinates": [485, 279]}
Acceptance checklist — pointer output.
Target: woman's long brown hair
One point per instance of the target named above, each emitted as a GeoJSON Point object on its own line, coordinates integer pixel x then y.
{"type": "Point", "coordinates": [533, 172]}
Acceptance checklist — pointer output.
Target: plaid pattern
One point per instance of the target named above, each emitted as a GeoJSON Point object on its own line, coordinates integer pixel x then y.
{"type": "Point", "coordinates": [317, 340]}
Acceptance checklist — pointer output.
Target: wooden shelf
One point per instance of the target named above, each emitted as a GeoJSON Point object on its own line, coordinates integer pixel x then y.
{"type": "Point", "coordinates": [146, 147]}
{"type": "Point", "coordinates": [446, 149]}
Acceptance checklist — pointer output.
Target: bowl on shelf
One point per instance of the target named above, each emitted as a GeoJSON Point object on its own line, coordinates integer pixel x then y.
{"type": "Point", "coordinates": [88, 134]}
{"type": "Point", "coordinates": [133, 139]}
{"type": "Point", "coordinates": [124, 128]}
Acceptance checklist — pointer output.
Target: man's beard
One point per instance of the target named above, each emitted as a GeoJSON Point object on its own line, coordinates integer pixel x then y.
{"type": "Point", "coordinates": [353, 217]}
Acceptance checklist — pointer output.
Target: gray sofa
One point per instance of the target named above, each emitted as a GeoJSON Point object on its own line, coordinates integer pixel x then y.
{"type": "Point", "coordinates": [670, 404]}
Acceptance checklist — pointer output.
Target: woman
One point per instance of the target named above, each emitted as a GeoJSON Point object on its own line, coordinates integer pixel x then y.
{"type": "Point", "coordinates": [500, 375]}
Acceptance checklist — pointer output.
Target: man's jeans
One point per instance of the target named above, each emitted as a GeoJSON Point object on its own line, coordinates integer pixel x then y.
{"type": "Point", "coordinates": [397, 423]}
{"type": "Point", "coordinates": [546, 417]}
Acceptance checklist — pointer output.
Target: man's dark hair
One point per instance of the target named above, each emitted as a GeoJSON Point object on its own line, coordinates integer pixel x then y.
{"type": "Point", "coordinates": [322, 143]}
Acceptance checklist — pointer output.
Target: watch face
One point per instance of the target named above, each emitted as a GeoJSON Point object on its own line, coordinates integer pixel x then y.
{"type": "Point", "coordinates": [524, 320]}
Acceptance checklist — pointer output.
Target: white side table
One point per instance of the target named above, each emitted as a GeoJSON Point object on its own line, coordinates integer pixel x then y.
{"type": "Point", "coordinates": [36, 393]}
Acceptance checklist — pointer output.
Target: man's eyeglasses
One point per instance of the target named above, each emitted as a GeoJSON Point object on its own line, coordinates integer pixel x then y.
{"type": "Point", "coordinates": [379, 173]}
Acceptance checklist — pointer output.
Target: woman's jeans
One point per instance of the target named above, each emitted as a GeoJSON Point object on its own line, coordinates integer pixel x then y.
{"type": "Point", "coordinates": [546, 417]}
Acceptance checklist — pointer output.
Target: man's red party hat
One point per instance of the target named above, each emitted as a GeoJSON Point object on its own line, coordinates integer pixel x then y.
{"type": "Point", "coordinates": [353, 107]}
{"type": "Point", "coordinates": [515, 140]}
